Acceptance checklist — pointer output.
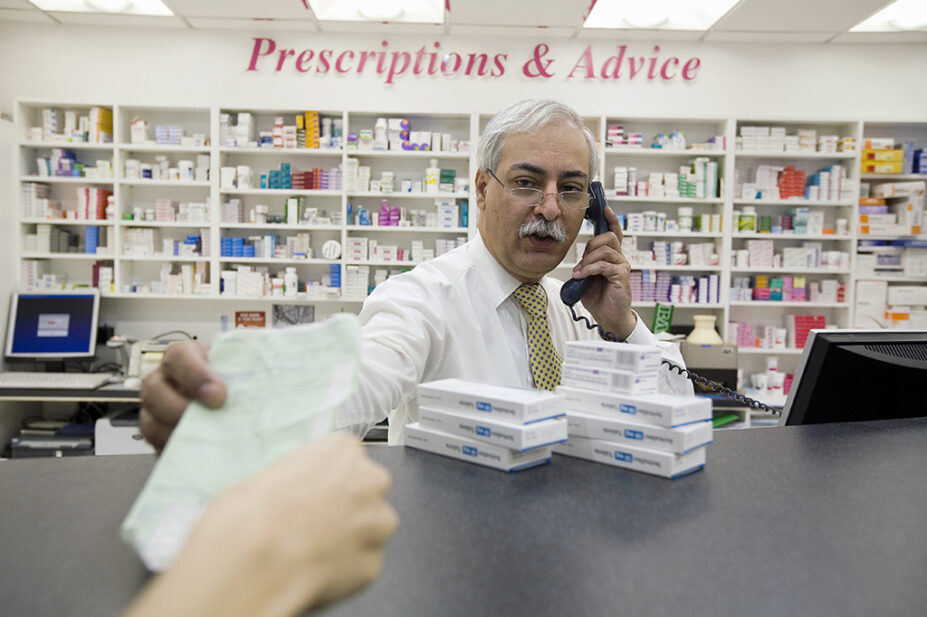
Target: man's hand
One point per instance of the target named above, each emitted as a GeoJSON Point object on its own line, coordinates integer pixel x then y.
{"type": "Point", "coordinates": [306, 531]}
{"type": "Point", "coordinates": [609, 297]}
{"type": "Point", "coordinates": [184, 375]}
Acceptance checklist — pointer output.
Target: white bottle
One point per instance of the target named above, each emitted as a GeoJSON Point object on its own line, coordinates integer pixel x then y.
{"type": "Point", "coordinates": [290, 282]}
{"type": "Point", "coordinates": [432, 175]}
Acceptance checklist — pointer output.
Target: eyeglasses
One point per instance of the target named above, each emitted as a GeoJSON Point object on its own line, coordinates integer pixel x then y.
{"type": "Point", "coordinates": [529, 198]}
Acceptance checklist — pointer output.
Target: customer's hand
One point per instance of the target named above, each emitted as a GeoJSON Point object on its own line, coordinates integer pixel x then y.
{"type": "Point", "coordinates": [184, 375]}
{"type": "Point", "coordinates": [306, 531]}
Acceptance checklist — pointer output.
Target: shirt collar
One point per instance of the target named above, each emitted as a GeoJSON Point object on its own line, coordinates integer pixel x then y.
{"type": "Point", "coordinates": [500, 283]}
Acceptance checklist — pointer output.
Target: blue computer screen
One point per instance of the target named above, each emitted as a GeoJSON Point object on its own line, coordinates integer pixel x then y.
{"type": "Point", "coordinates": [48, 325]}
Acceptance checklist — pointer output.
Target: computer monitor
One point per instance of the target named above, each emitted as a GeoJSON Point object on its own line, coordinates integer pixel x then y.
{"type": "Point", "coordinates": [50, 325]}
{"type": "Point", "coordinates": [854, 375]}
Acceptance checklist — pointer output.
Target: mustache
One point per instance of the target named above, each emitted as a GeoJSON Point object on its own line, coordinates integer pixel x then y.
{"type": "Point", "coordinates": [543, 228]}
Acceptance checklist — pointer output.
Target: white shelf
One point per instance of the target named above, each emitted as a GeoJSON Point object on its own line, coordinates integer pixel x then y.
{"type": "Point", "coordinates": [778, 154]}
{"type": "Point", "coordinates": [794, 202]}
{"type": "Point", "coordinates": [165, 148]}
{"type": "Point", "coordinates": [788, 351]}
{"type": "Point", "coordinates": [66, 180]}
{"type": "Point", "coordinates": [409, 154]}
{"type": "Point", "coordinates": [329, 152]}
{"type": "Point", "coordinates": [299, 299]}
{"type": "Point", "coordinates": [75, 222]}
{"type": "Point", "coordinates": [876, 237]}
{"type": "Point", "coordinates": [70, 256]}
{"type": "Point", "coordinates": [399, 195]}
{"type": "Point", "coordinates": [893, 177]}
{"type": "Point", "coordinates": [393, 229]}
{"type": "Point", "coordinates": [677, 306]}
{"type": "Point", "coordinates": [891, 279]}
{"type": "Point", "coordinates": [165, 224]}
{"type": "Point", "coordinates": [281, 226]}
{"type": "Point", "coordinates": [278, 260]}
{"type": "Point", "coordinates": [671, 234]}
{"type": "Point", "coordinates": [660, 200]}
{"type": "Point", "coordinates": [67, 145]}
{"type": "Point", "coordinates": [147, 182]}
{"type": "Point", "coordinates": [661, 152]}
{"type": "Point", "coordinates": [775, 304]}
{"type": "Point", "coordinates": [384, 264]}
{"type": "Point", "coordinates": [163, 258]}
{"type": "Point", "coordinates": [282, 192]}
{"type": "Point", "coordinates": [757, 236]}
{"type": "Point", "coordinates": [794, 270]}
{"type": "Point", "coordinates": [678, 268]}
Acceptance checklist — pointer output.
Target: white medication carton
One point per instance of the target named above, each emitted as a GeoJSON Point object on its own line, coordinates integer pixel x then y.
{"type": "Point", "coordinates": [654, 462]}
{"type": "Point", "coordinates": [506, 403]}
{"type": "Point", "coordinates": [669, 410]}
{"type": "Point", "coordinates": [519, 437]}
{"type": "Point", "coordinates": [609, 428]}
{"type": "Point", "coordinates": [473, 451]}
{"type": "Point", "coordinates": [613, 355]}
{"type": "Point", "coordinates": [612, 380]}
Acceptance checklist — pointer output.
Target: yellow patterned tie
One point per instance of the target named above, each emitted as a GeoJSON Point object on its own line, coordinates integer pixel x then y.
{"type": "Point", "coordinates": [544, 359]}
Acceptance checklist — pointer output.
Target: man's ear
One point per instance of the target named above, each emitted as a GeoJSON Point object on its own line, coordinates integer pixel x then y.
{"type": "Point", "coordinates": [480, 181]}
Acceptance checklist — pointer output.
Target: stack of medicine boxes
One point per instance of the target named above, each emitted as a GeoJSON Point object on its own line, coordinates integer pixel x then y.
{"type": "Point", "coordinates": [503, 427]}
{"type": "Point", "coordinates": [615, 415]}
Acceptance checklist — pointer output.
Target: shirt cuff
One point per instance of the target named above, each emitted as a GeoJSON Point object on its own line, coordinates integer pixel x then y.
{"type": "Point", "coordinates": [641, 334]}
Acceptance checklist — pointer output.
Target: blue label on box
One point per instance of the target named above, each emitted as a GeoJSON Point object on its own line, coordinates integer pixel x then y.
{"type": "Point", "coordinates": [469, 451]}
{"type": "Point", "coordinates": [624, 457]}
{"type": "Point", "coordinates": [632, 434]}
{"type": "Point", "coordinates": [483, 406]}
{"type": "Point", "coordinates": [483, 431]}
{"type": "Point", "coordinates": [631, 409]}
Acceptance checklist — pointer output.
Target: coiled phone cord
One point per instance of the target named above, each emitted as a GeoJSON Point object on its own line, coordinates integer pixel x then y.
{"type": "Point", "coordinates": [695, 378]}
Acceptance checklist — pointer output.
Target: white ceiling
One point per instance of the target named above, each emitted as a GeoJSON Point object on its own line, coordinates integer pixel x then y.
{"type": "Point", "coordinates": [758, 21]}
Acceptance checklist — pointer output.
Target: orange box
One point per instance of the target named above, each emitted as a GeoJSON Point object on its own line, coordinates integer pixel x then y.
{"type": "Point", "coordinates": [871, 201]}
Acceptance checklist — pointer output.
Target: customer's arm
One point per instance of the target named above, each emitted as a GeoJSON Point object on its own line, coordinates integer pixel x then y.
{"type": "Point", "coordinates": [306, 531]}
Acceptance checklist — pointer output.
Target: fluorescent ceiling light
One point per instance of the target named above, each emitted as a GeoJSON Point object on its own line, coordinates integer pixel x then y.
{"type": "Point", "coordinates": [657, 14]}
{"type": "Point", "coordinates": [119, 7]}
{"type": "Point", "coordinates": [400, 11]}
{"type": "Point", "coordinates": [898, 16]}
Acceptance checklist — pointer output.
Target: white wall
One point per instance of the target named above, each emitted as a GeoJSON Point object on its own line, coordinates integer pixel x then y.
{"type": "Point", "coordinates": [183, 67]}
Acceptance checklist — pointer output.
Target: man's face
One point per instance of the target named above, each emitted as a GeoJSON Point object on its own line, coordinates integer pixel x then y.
{"type": "Point", "coordinates": [554, 160]}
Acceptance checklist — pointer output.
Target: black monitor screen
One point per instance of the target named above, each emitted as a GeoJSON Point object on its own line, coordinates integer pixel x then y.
{"type": "Point", "coordinates": [45, 325]}
{"type": "Point", "coordinates": [854, 375]}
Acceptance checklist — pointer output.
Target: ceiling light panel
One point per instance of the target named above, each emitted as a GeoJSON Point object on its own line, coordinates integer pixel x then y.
{"type": "Point", "coordinates": [657, 14]}
{"type": "Point", "coordinates": [135, 7]}
{"type": "Point", "coordinates": [394, 11]}
{"type": "Point", "coordinates": [899, 16]}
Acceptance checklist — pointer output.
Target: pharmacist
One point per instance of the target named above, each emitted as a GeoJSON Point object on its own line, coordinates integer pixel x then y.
{"type": "Point", "coordinates": [467, 313]}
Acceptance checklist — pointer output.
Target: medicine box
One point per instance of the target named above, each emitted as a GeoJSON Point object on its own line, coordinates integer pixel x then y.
{"type": "Point", "coordinates": [506, 403]}
{"type": "Point", "coordinates": [519, 437]}
{"type": "Point", "coordinates": [472, 451]}
{"type": "Point", "coordinates": [896, 189]}
{"type": "Point", "coordinates": [907, 295]}
{"type": "Point", "coordinates": [612, 355]}
{"type": "Point", "coordinates": [669, 410]}
{"type": "Point", "coordinates": [655, 462]}
{"type": "Point", "coordinates": [678, 440]}
{"type": "Point", "coordinates": [613, 380]}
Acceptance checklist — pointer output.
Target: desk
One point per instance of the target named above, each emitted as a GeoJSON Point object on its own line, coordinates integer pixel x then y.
{"type": "Point", "coordinates": [820, 520]}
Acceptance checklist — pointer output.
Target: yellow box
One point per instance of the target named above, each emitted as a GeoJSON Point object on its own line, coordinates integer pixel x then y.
{"type": "Point", "coordinates": [881, 167]}
{"type": "Point", "coordinates": [883, 155]}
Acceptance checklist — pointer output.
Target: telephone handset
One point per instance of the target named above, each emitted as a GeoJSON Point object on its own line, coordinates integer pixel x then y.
{"type": "Point", "coordinates": [574, 289]}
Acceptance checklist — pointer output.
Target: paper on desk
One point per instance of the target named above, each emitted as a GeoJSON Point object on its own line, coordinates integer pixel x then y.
{"type": "Point", "coordinates": [283, 387]}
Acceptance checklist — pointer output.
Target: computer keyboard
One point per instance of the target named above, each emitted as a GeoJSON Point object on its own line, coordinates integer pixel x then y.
{"type": "Point", "coordinates": [53, 381]}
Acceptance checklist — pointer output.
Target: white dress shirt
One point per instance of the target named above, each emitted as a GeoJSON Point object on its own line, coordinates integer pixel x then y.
{"type": "Point", "coordinates": [455, 316]}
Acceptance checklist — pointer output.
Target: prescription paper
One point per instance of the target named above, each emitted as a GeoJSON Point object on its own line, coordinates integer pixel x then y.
{"type": "Point", "coordinates": [284, 387]}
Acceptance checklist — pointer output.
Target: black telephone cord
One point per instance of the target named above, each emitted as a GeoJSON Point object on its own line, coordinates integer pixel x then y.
{"type": "Point", "coordinates": [695, 378]}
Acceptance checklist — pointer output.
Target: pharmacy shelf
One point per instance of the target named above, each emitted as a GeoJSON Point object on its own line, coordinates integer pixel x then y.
{"type": "Point", "coordinates": [771, 236]}
{"type": "Point", "coordinates": [396, 228]}
{"type": "Point", "coordinates": [328, 152]}
{"type": "Point", "coordinates": [662, 200]}
{"type": "Point", "coordinates": [164, 224]}
{"type": "Point", "coordinates": [893, 279]}
{"type": "Point", "coordinates": [178, 183]}
{"type": "Point", "coordinates": [778, 154]}
{"type": "Point", "coordinates": [782, 351]}
{"type": "Point", "coordinates": [681, 305]}
{"type": "Point", "coordinates": [65, 180]}
{"type": "Point", "coordinates": [281, 226]}
{"type": "Point", "coordinates": [67, 145]}
{"type": "Point", "coordinates": [409, 154]}
{"type": "Point", "coordinates": [883, 238]}
{"type": "Point", "coordinates": [794, 270]}
{"type": "Point", "coordinates": [69, 256]}
{"type": "Point", "coordinates": [777, 304]}
{"type": "Point", "coordinates": [164, 148]}
{"type": "Point", "coordinates": [278, 260]}
{"type": "Point", "coordinates": [399, 195]}
{"type": "Point", "coordinates": [677, 268]}
{"type": "Point", "coordinates": [385, 264]}
{"type": "Point", "coordinates": [794, 202]}
{"type": "Point", "coordinates": [282, 192]}
{"type": "Point", "coordinates": [661, 152]}
{"type": "Point", "coordinates": [74, 222]}
{"type": "Point", "coordinates": [140, 295]}
{"type": "Point", "coordinates": [165, 258]}
{"type": "Point", "coordinates": [671, 234]}
{"type": "Point", "coordinates": [300, 298]}
{"type": "Point", "coordinates": [896, 177]}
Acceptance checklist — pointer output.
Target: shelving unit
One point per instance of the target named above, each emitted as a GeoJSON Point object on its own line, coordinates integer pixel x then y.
{"type": "Point", "coordinates": [735, 167]}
